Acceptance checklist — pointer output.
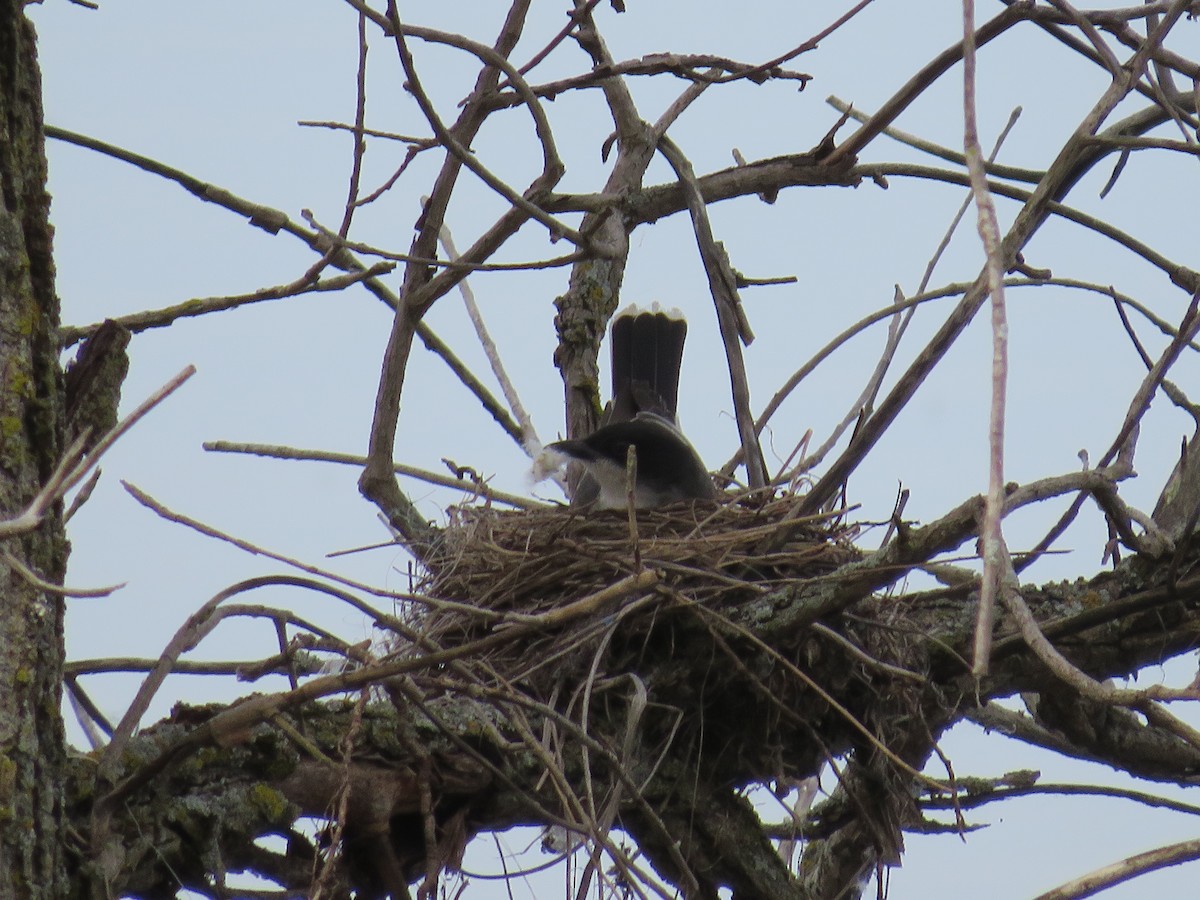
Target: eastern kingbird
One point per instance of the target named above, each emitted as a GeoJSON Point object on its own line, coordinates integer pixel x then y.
{"type": "Point", "coordinates": [647, 350]}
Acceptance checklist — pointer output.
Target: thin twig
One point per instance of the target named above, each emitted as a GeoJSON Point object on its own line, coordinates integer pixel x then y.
{"type": "Point", "coordinates": [75, 463]}
{"type": "Point", "coordinates": [989, 232]}
{"type": "Point", "coordinates": [374, 614]}
{"type": "Point", "coordinates": [728, 306]}
{"type": "Point", "coordinates": [202, 306]}
{"type": "Point", "coordinates": [470, 486]}
{"type": "Point", "coordinates": [41, 584]}
{"type": "Point", "coordinates": [995, 169]}
{"type": "Point", "coordinates": [865, 403]}
{"type": "Point", "coordinates": [1130, 867]}
{"type": "Point", "coordinates": [529, 439]}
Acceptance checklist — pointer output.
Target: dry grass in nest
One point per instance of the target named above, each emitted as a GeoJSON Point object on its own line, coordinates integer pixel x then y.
{"type": "Point", "coordinates": [530, 562]}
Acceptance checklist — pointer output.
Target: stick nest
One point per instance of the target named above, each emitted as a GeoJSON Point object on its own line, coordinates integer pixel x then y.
{"type": "Point", "coordinates": [529, 562]}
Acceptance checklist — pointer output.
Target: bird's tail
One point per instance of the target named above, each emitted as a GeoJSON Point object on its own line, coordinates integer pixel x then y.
{"type": "Point", "coordinates": [647, 351]}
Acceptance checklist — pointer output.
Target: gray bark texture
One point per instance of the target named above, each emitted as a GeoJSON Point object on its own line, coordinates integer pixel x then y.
{"type": "Point", "coordinates": [32, 756]}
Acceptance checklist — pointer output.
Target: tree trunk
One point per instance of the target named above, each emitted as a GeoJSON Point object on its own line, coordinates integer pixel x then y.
{"type": "Point", "coordinates": [32, 755]}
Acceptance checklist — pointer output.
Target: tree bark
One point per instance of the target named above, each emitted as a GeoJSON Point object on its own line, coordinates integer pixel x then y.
{"type": "Point", "coordinates": [32, 754]}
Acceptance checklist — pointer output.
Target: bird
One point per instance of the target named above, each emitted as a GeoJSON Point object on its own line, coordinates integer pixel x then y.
{"type": "Point", "coordinates": [647, 352]}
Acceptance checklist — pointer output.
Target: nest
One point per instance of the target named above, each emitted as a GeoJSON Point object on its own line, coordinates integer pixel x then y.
{"type": "Point", "coordinates": [530, 562]}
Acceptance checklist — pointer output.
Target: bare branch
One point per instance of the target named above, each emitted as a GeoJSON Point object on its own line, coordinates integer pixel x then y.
{"type": "Point", "coordinates": [470, 487]}
{"type": "Point", "coordinates": [200, 306]}
{"type": "Point", "coordinates": [1131, 867]}
{"type": "Point", "coordinates": [41, 584]}
{"type": "Point", "coordinates": [989, 231]}
{"type": "Point", "coordinates": [730, 315]}
{"type": "Point", "coordinates": [529, 438]}
{"type": "Point", "coordinates": [993, 168]}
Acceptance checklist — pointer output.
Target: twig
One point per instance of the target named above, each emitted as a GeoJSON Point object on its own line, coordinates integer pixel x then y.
{"type": "Point", "coordinates": [374, 614]}
{"type": "Point", "coordinates": [1130, 867]}
{"type": "Point", "coordinates": [729, 315]}
{"type": "Point", "coordinates": [91, 720]}
{"type": "Point", "coordinates": [993, 168]}
{"type": "Point", "coordinates": [276, 665]}
{"type": "Point", "coordinates": [53, 490]}
{"type": "Point", "coordinates": [326, 877]}
{"type": "Point", "coordinates": [810, 44]}
{"type": "Point", "coordinates": [678, 106]}
{"type": "Point", "coordinates": [360, 115]}
{"type": "Point", "coordinates": [1147, 143]}
{"type": "Point", "coordinates": [972, 795]}
{"type": "Point", "coordinates": [864, 657]}
{"type": "Point", "coordinates": [189, 635]}
{"type": "Point", "coordinates": [202, 306]}
{"type": "Point", "coordinates": [422, 142]}
{"type": "Point", "coordinates": [41, 584]}
{"type": "Point", "coordinates": [863, 402]}
{"type": "Point", "coordinates": [991, 537]}
{"type": "Point", "coordinates": [682, 65]}
{"type": "Point", "coordinates": [1189, 326]}
{"type": "Point", "coordinates": [866, 401]}
{"type": "Point", "coordinates": [82, 495]}
{"type": "Point", "coordinates": [575, 16]}
{"type": "Point", "coordinates": [771, 176]}
{"type": "Point", "coordinates": [75, 464]}
{"type": "Point", "coordinates": [529, 439]}
{"type": "Point", "coordinates": [1103, 52]}
{"type": "Point", "coordinates": [274, 221]}
{"type": "Point", "coordinates": [470, 486]}
{"type": "Point", "coordinates": [1179, 274]}
{"type": "Point", "coordinates": [458, 264]}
